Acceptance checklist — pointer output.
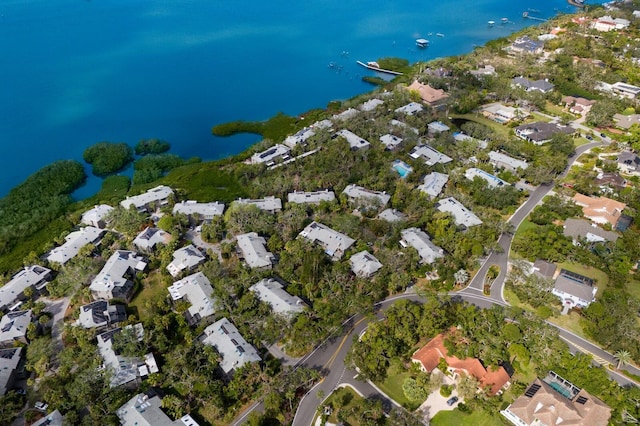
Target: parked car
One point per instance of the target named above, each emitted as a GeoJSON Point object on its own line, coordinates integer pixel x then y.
{"type": "Point", "coordinates": [39, 405]}
{"type": "Point", "coordinates": [452, 400]}
{"type": "Point", "coordinates": [589, 137]}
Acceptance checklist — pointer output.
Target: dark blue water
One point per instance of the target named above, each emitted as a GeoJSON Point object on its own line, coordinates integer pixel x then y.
{"type": "Point", "coordinates": [76, 72]}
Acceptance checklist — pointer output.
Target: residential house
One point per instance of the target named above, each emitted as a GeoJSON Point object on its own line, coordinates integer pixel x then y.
{"type": "Point", "coordinates": [271, 155]}
{"type": "Point", "coordinates": [364, 264]}
{"type": "Point", "coordinates": [503, 113]}
{"type": "Point", "coordinates": [115, 280]}
{"type": "Point", "coordinates": [392, 215]}
{"type": "Point", "coordinates": [145, 410]}
{"type": "Point", "coordinates": [125, 370]}
{"type": "Point", "coordinates": [526, 45]}
{"type": "Point", "coordinates": [582, 230]}
{"type": "Point", "coordinates": [55, 418]}
{"type": "Point", "coordinates": [555, 401]}
{"type": "Point", "coordinates": [148, 239]}
{"type": "Point", "coordinates": [355, 142]}
{"type": "Point", "coordinates": [155, 197]}
{"type": "Point", "coordinates": [232, 347]}
{"type": "Point", "coordinates": [35, 277]}
{"type": "Point", "coordinates": [9, 365]}
{"type": "Point", "coordinates": [626, 121]}
{"type": "Point", "coordinates": [429, 95]}
{"type": "Point", "coordinates": [253, 249]}
{"type": "Point", "coordinates": [360, 195]}
{"type": "Point", "coordinates": [430, 155]}
{"type": "Point", "coordinates": [503, 161]}
{"type": "Point", "coordinates": [574, 290]}
{"type": "Point", "coordinates": [493, 181]}
{"type": "Point", "coordinates": [370, 105]}
{"type": "Point", "coordinates": [404, 126]}
{"type": "Point", "coordinates": [461, 137]}
{"type": "Point", "coordinates": [96, 216]}
{"type": "Point", "coordinates": [185, 259]}
{"type": "Point", "coordinates": [334, 243]}
{"type": "Point", "coordinates": [620, 89]}
{"type": "Point", "coordinates": [600, 210]}
{"type": "Point", "coordinates": [437, 127]}
{"type": "Point", "coordinates": [610, 182]}
{"type": "Point", "coordinates": [269, 204]}
{"type": "Point", "coordinates": [533, 86]}
{"type": "Point", "coordinates": [272, 292]}
{"type": "Point", "coordinates": [390, 141]}
{"type": "Point", "coordinates": [544, 269]}
{"type": "Point", "coordinates": [73, 243]}
{"type": "Point", "coordinates": [197, 291]}
{"type": "Point", "coordinates": [429, 356]}
{"type": "Point", "coordinates": [412, 108]}
{"type": "Point", "coordinates": [483, 71]}
{"type": "Point", "coordinates": [629, 163]}
{"type": "Point", "coordinates": [198, 212]}
{"type": "Point", "coordinates": [607, 23]}
{"type": "Point", "coordinates": [462, 216]}
{"type": "Point", "coordinates": [541, 132]}
{"type": "Point", "coordinates": [299, 138]}
{"type": "Point", "coordinates": [313, 197]}
{"type": "Point", "coordinates": [101, 314]}
{"type": "Point", "coordinates": [433, 184]}
{"type": "Point", "coordinates": [346, 115]}
{"type": "Point", "coordinates": [13, 328]}
{"type": "Point", "coordinates": [419, 240]}
{"type": "Point", "coordinates": [578, 105]}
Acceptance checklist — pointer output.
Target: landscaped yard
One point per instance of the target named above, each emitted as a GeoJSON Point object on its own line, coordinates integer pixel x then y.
{"type": "Point", "coordinates": [497, 127]}
{"type": "Point", "coordinates": [155, 286]}
{"type": "Point", "coordinates": [342, 399]}
{"type": "Point", "coordinates": [392, 386]}
{"type": "Point", "coordinates": [458, 418]}
{"type": "Point", "coordinates": [524, 226]}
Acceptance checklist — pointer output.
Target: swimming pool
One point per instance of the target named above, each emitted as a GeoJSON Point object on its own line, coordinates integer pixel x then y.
{"type": "Point", "coordinates": [402, 168]}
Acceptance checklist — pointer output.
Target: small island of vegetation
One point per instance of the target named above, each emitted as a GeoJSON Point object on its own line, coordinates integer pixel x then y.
{"type": "Point", "coordinates": [108, 157]}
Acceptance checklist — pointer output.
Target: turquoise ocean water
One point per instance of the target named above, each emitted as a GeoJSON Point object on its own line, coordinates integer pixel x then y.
{"type": "Point", "coordinates": [76, 72]}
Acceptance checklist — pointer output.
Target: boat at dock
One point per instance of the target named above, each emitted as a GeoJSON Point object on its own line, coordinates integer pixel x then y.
{"type": "Point", "coordinates": [374, 66]}
{"type": "Point", "coordinates": [422, 42]}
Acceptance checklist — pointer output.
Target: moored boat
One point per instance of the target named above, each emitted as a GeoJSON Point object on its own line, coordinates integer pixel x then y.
{"type": "Point", "coordinates": [422, 42]}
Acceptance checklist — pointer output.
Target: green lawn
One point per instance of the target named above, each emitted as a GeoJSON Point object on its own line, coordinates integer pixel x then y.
{"type": "Point", "coordinates": [345, 398]}
{"type": "Point", "coordinates": [392, 386]}
{"type": "Point", "coordinates": [497, 127]}
{"type": "Point", "coordinates": [524, 226]}
{"type": "Point", "coordinates": [633, 287]}
{"type": "Point", "coordinates": [540, 117]}
{"type": "Point", "coordinates": [155, 286]}
{"type": "Point", "coordinates": [458, 418]}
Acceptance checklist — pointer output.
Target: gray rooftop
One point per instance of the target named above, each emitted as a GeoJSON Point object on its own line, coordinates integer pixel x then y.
{"type": "Point", "coordinates": [433, 184]}
{"type": "Point", "coordinates": [541, 132]}
{"type": "Point", "coordinates": [502, 160]}
{"type": "Point", "coordinates": [185, 258]}
{"type": "Point", "coordinates": [73, 243]}
{"type": "Point", "coordinates": [358, 192]}
{"type": "Point", "coordinates": [355, 141]}
{"type": "Point", "coordinates": [529, 85]}
{"type": "Point", "coordinates": [364, 264]}
{"type": "Point", "coordinates": [13, 326]}
{"type": "Point", "coordinates": [300, 137]}
{"type": "Point", "coordinates": [333, 242]}
{"type": "Point", "coordinates": [272, 292]}
{"type": "Point", "coordinates": [371, 104]}
{"type": "Point", "coordinates": [159, 194]}
{"type": "Point", "coordinates": [96, 215]}
{"type": "Point", "coordinates": [392, 215]}
{"type": "Point", "coordinates": [270, 204]}
{"type": "Point", "coordinates": [55, 418]}
{"type": "Point", "coordinates": [100, 314]}
{"type": "Point", "coordinates": [197, 290]}
{"type": "Point", "coordinates": [390, 141]}
{"type": "Point", "coordinates": [313, 197]}
{"type": "Point", "coordinates": [30, 276]}
{"type": "Point", "coordinates": [576, 285]}
{"type": "Point", "coordinates": [206, 210]}
{"type": "Point", "coordinates": [410, 109]}
{"type": "Point", "coordinates": [114, 280]}
{"type": "Point", "coordinates": [544, 268]}
{"type": "Point", "coordinates": [270, 154]}
{"type": "Point", "coordinates": [254, 250]}
{"type": "Point", "coordinates": [579, 229]}
{"type": "Point", "coordinates": [142, 410]}
{"type": "Point", "coordinates": [461, 215]}
{"type": "Point", "coordinates": [234, 350]}
{"type": "Point", "coordinates": [430, 155]}
{"type": "Point", "coordinates": [419, 240]}
{"type": "Point", "coordinates": [404, 126]}
{"type": "Point", "coordinates": [9, 360]}
{"type": "Point", "coordinates": [150, 237]}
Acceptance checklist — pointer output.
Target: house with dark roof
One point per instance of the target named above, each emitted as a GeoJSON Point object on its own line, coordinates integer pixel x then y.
{"type": "Point", "coordinates": [629, 163]}
{"type": "Point", "coordinates": [555, 401]}
{"type": "Point", "coordinates": [541, 132]}
{"type": "Point", "coordinates": [580, 230]}
{"type": "Point", "coordinates": [9, 361]}
{"type": "Point", "coordinates": [610, 181]}
{"type": "Point", "coordinates": [533, 86]}
{"type": "Point", "coordinates": [526, 45]}
{"type": "Point", "coordinates": [544, 269]}
{"type": "Point", "coordinates": [574, 290]}
{"type": "Point", "coordinates": [100, 314]}
{"type": "Point", "coordinates": [55, 418]}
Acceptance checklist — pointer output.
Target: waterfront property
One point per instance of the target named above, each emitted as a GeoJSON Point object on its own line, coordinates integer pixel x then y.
{"type": "Point", "coordinates": [541, 132]}
{"type": "Point", "coordinates": [269, 204]}
{"type": "Point", "coordinates": [556, 401]}
{"type": "Point", "coordinates": [431, 156]}
{"type": "Point", "coordinates": [429, 95]}
{"type": "Point", "coordinates": [150, 200]}
{"type": "Point", "coordinates": [73, 243]}
{"type": "Point", "coordinates": [493, 181]}
{"type": "Point", "coordinates": [115, 280]}
{"type": "Point", "coordinates": [100, 314]}
{"type": "Point", "coordinates": [313, 197]}
{"type": "Point", "coordinates": [355, 142]}
{"type": "Point", "coordinates": [420, 241]}
{"type": "Point", "coordinates": [600, 210]}
{"type": "Point", "coordinates": [272, 292]}
{"type": "Point", "coordinates": [574, 290]}
{"type": "Point", "coordinates": [148, 239]}
{"type": "Point", "coordinates": [390, 141]}
{"type": "Point", "coordinates": [526, 45]}
{"type": "Point", "coordinates": [364, 264]}
{"type": "Point", "coordinates": [253, 249]}
{"type": "Point", "coordinates": [197, 291]}
{"type": "Point", "coordinates": [13, 328]}
{"type": "Point", "coordinates": [503, 161]}
{"type": "Point", "coordinates": [54, 418]}
{"type": "Point", "coordinates": [607, 23]}
{"type": "Point", "coordinates": [232, 347]}
{"type": "Point", "coordinates": [299, 138]}
{"type": "Point", "coordinates": [360, 195]}
{"type": "Point", "coordinates": [35, 277]}
{"type": "Point", "coordinates": [461, 215]}
{"type": "Point", "coordinates": [433, 184]}
{"type": "Point", "coordinates": [9, 362]}
{"type": "Point", "coordinates": [96, 216]}
{"type": "Point", "coordinates": [185, 259]}
{"type": "Point", "coordinates": [198, 212]}
{"type": "Point", "coordinates": [370, 105]}
{"type": "Point", "coordinates": [402, 168]}
{"type": "Point", "coordinates": [146, 410]}
{"type": "Point", "coordinates": [334, 243]}
{"type": "Point", "coordinates": [271, 155]}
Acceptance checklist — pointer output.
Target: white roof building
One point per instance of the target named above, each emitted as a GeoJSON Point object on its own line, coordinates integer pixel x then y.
{"type": "Point", "coordinates": [493, 181]}
{"type": "Point", "coordinates": [272, 292]}
{"type": "Point", "coordinates": [150, 237]}
{"type": "Point", "coordinates": [313, 197]}
{"type": "Point", "coordinates": [500, 160]}
{"type": "Point", "coordinates": [345, 115]}
{"type": "Point", "coordinates": [433, 184]}
{"type": "Point", "coordinates": [461, 215]}
{"type": "Point", "coordinates": [101, 314]}
{"type": "Point", "coordinates": [392, 215]}
{"type": "Point", "coordinates": [358, 193]}
{"type": "Point", "coordinates": [115, 280]}
{"type": "Point", "coordinates": [436, 127]}
{"type": "Point", "coordinates": [33, 276]}
{"type": "Point", "coordinates": [253, 250]}
{"type": "Point", "coordinates": [370, 105]}
{"type": "Point", "coordinates": [270, 204]}
{"type": "Point", "coordinates": [355, 141]}
{"type": "Point", "coordinates": [207, 211]}
{"type": "Point", "coordinates": [185, 259]}
{"type": "Point", "coordinates": [411, 108]}
{"type": "Point", "coordinates": [195, 289]}
{"type": "Point", "coordinates": [95, 216]}
{"type": "Point", "coordinates": [234, 350]}
{"type": "Point", "coordinates": [431, 155]}
{"type": "Point", "coordinates": [142, 410]}
{"type": "Point", "coordinates": [158, 195]}
{"type": "Point", "coordinates": [333, 242]}
{"type": "Point", "coordinates": [73, 243]}
{"type": "Point", "coordinates": [300, 137]}
{"type": "Point", "coordinates": [9, 361]}
{"type": "Point", "coordinates": [503, 113]}
{"type": "Point", "coordinates": [269, 156]}
{"type": "Point", "coordinates": [13, 327]}
{"type": "Point", "coordinates": [419, 240]}
{"type": "Point", "coordinates": [364, 264]}
{"type": "Point", "coordinates": [390, 141]}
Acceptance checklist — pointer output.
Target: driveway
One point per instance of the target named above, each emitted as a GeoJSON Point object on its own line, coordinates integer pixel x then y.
{"type": "Point", "coordinates": [436, 402]}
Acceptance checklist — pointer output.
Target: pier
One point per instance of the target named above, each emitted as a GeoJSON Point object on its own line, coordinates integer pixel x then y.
{"type": "Point", "coordinates": [527, 16]}
{"type": "Point", "coordinates": [377, 68]}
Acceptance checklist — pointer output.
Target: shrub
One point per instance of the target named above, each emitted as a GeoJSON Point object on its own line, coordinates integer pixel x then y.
{"type": "Point", "coordinates": [108, 157]}
{"type": "Point", "coordinates": [445, 390]}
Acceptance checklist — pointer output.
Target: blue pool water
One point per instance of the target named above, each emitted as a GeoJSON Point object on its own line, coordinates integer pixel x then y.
{"type": "Point", "coordinates": [77, 72]}
{"type": "Point", "coordinates": [402, 168]}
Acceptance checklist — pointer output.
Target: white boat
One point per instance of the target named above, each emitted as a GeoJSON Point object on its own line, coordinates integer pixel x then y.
{"type": "Point", "coordinates": [504, 20]}
{"type": "Point", "coordinates": [491, 23]}
{"type": "Point", "coordinates": [440, 34]}
{"type": "Point", "coordinates": [422, 42]}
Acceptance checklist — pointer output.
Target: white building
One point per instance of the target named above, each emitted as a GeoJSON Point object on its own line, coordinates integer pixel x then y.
{"type": "Point", "coordinates": [411, 108]}
{"type": "Point", "coordinates": [100, 314]}
{"type": "Point", "coordinates": [419, 240]}
{"type": "Point", "coordinates": [431, 156]}
{"type": "Point", "coordinates": [503, 161]}
{"type": "Point", "coordinates": [364, 264]}
{"type": "Point", "coordinates": [404, 126]}
{"type": "Point", "coordinates": [272, 292]}
{"type": "Point", "coordinates": [148, 239]}
{"type": "Point", "coordinates": [13, 327]}
{"type": "Point", "coordinates": [271, 155]}
{"type": "Point", "coordinates": [34, 276]}
{"type": "Point", "coordinates": [390, 141]}
{"type": "Point", "coordinates": [96, 216]}
{"type": "Point", "coordinates": [313, 197]}
{"type": "Point", "coordinates": [493, 181]}
{"type": "Point", "coordinates": [346, 115]}
{"type": "Point", "coordinates": [234, 350]}
{"type": "Point", "coordinates": [253, 250]}
{"type": "Point", "coordinates": [392, 215]}
{"type": "Point", "coordinates": [203, 211]}
{"type": "Point", "coordinates": [197, 291]}
{"type": "Point", "coordinates": [73, 243]}
{"type": "Point", "coordinates": [433, 184]}
{"type": "Point", "coordinates": [355, 142]}
{"type": "Point", "coordinates": [370, 105]}
{"type": "Point", "coordinates": [333, 242]}
{"type": "Point", "coordinates": [115, 280]}
{"type": "Point", "coordinates": [300, 137]}
{"type": "Point", "coordinates": [158, 196]}
{"type": "Point", "coordinates": [359, 194]}
{"type": "Point", "coordinates": [142, 410]}
{"type": "Point", "coordinates": [437, 127]}
{"type": "Point", "coordinates": [269, 204]}
{"type": "Point", "coordinates": [185, 259]}
{"type": "Point", "coordinates": [574, 290]}
{"type": "Point", "coordinates": [461, 215]}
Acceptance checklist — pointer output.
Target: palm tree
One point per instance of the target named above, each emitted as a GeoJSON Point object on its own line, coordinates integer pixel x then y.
{"type": "Point", "coordinates": [623, 357]}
